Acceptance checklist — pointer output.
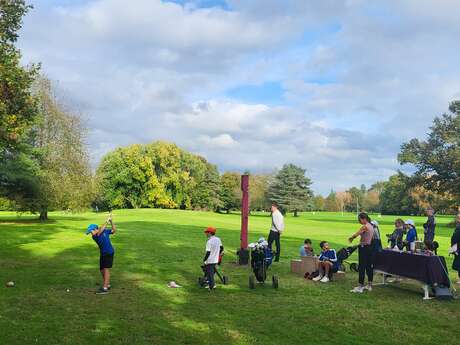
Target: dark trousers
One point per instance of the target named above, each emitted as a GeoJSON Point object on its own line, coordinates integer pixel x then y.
{"type": "Point", "coordinates": [275, 236]}
{"type": "Point", "coordinates": [429, 235]}
{"type": "Point", "coordinates": [365, 264]}
{"type": "Point", "coordinates": [210, 271]}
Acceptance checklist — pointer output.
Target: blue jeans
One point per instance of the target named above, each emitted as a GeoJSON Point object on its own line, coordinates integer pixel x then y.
{"type": "Point", "coordinates": [210, 271]}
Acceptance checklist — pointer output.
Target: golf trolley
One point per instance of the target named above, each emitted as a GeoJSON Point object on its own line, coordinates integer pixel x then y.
{"type": "Point", "coordinates": [344, 254]}
{"type": "Point", "coordinates": [203, 281]}
{"type": "Point", "coordinates": [261, 259]}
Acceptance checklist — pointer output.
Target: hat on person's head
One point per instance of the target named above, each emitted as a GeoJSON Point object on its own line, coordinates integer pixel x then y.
{"type": "Point", "coordinates": [375, 223]}
{"type": "Point", "coordinates": [409, 222]}
{"type": "Point", "coordinates": [91, 227]}
{"type": "Point", "coordinates": [210, 230]}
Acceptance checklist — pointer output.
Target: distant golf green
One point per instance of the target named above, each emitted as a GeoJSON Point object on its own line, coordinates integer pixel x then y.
{"type": "Point", "coordinates": [55, 270]}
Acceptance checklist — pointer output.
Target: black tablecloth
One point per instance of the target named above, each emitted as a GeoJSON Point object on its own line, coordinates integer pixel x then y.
{"type": "Point", "coordinates": [428, 269]}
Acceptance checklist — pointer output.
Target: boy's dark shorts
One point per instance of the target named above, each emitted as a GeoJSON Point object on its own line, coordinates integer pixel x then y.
{"type": "Point", "coordinates": [106, 261]}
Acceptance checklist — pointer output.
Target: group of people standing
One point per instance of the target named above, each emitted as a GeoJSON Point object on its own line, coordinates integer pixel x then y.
{"type": "Point", "coordinates": [369, 244]}
{"type": "Point", "coordinates": [396, 239]}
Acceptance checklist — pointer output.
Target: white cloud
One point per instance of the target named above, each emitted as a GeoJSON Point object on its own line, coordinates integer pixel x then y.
{"type": "Point", "coordinates": [221, 141]}
{"type": "Point", "coordinates": [359, 78]}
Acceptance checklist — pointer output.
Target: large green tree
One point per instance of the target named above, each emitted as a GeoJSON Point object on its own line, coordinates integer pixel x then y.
{"type": "Point", "coordinates": [18, 106]}
{"type": "Point", "coordinates": [230, 191]}
{"type": "Point", "coordinates": [290, 189]}
{"type": "Point", "coordinates": [159, 174]}
{"type": "Point", "coordinates": [437, 159]}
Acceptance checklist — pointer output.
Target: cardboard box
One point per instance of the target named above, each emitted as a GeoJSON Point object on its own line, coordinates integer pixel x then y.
{"type": "Point", "coordinates": [309, 264]}
{"type": "Point", "coordinates": [296, 266]}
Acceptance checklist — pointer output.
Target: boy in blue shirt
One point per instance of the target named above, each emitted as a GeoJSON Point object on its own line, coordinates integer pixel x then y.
{"type": "Point", "coordinates": [327, 263]}
{"type": "Point", "coordinates": [411, 236]}
{"type": "Point", "coordinates": [101, 235]}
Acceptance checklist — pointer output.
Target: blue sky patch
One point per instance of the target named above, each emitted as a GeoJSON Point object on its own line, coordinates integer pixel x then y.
{"type": "Point", "coordinates": [270, 92]}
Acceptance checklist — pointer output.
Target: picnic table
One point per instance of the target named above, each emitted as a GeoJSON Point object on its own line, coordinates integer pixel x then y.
{"type": "Point", "coordinates": [430, 270]}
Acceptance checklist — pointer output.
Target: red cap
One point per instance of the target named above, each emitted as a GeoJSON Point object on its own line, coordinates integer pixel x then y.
{"type": "Point", "coordinates": [210, 230]}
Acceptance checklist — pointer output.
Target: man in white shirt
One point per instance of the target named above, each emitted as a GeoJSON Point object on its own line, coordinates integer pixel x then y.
{"type": "Point", "coordinates": [276, 230]}
{"type": "Point", "coordinates": [214, 249]}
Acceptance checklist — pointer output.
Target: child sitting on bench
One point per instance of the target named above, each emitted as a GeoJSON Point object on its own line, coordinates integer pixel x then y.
{"type": "Point", "coordinates": [327, 264]}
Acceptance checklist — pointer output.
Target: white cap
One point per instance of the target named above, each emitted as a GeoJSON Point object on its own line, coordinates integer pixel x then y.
{"type": "Point", "coordinates": [409, 222]}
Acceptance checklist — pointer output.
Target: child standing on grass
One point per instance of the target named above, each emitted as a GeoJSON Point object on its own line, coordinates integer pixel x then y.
{"type": "Point", "coordinates": [101, 235]}
{"type": "Point", "coordinates": [214, 249]}
{"type": "Point", "coordinates": [411, 236]}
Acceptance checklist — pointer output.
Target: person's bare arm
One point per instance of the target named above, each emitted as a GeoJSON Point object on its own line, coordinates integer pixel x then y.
{"type": "Point", "coordinates": [359, 232]}
{"type": "Point", "coordinates": [101, 229]}
{"type": "Point", "coordinates": [114, 228]}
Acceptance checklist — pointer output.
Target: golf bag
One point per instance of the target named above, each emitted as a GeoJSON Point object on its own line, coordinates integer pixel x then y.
{"type": "Point", "coordinates": [261, 260]}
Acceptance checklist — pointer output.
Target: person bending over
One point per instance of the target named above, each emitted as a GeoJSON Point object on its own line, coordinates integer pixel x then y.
{"type": "Point", "coordinates": [327, 263]}
{"type": "Point", "coordinates": [214, 249]}
{"type": "Point", "coordinates": [307, 249]}
{"type": "Point", "coordinates": [366, 233]}
{"type": "Point", "coordinates": [101, 235]}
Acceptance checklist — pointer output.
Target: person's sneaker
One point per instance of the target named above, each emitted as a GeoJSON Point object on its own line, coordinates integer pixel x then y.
{"type": "Point", "coordinates": [102, 291]}
{"type": "Point", "coordinates": [325, 279]}
{"type": "Point", "coordinates": [317, 278]}
{"type": "Point", "coordinates": [368, 287]}
{"type": "Point", "coordinates": [358, 289]}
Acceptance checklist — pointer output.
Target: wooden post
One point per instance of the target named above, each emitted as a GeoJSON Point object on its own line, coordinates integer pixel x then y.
{"type": "Point", "coordinates": [243, 252]}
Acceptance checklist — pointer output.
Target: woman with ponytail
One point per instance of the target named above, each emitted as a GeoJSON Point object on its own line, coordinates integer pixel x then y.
{"type": "Point", "coordinates": [366, 233]}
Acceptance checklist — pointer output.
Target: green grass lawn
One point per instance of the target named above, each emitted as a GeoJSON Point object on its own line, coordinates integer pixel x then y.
{"type": "Point", "coordinates": [154, 247]}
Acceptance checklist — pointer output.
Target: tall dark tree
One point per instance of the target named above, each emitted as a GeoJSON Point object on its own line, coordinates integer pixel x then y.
{"type": "Point", "coordinates": [437, 159]}
{"type": "Point", "coordinates": [396, 196]}
{"type": "Point", "coordinates": [290, 189]}
{"type": "Point", "coordinates": [18, 107]}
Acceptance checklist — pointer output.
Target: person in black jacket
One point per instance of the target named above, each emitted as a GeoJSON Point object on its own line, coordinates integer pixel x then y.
{"type": "Point", "coordinates": [455, 240]}
{"type": "Point", "coordinates": [429, 226]}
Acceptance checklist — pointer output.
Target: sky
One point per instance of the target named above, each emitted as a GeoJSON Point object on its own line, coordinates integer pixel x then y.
{"type": "Point", "coordinates": [334, 86]}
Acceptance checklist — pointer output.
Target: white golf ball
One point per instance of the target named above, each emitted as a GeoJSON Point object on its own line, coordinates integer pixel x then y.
{"type": "Point", "coordinates": [68, 290]}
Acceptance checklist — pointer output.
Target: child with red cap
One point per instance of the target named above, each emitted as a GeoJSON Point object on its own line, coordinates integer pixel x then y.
{"type": "Point", "coordinates": [214, 249]}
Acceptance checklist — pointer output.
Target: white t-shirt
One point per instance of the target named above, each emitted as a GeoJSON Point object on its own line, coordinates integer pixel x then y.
{"type": "Point", "coordinates": [277, 222]}
{"type": "Point", "coordinates": [213, 246]}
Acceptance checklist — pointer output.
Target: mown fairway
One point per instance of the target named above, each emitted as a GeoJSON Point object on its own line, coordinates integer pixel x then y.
{"type": "Point", "coordinates": [154, 247]}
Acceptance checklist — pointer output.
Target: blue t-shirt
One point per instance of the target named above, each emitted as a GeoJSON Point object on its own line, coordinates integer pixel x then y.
{"type": "Point", "coordinates": [329, 255]}
{"type": "Point", "coordinates": [103, 241]}
{"type": "Point", "coordinates": [411, 235]}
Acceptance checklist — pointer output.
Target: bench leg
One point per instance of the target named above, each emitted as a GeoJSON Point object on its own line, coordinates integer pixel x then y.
{"type": "Point", "coordinates": [426, 292]}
